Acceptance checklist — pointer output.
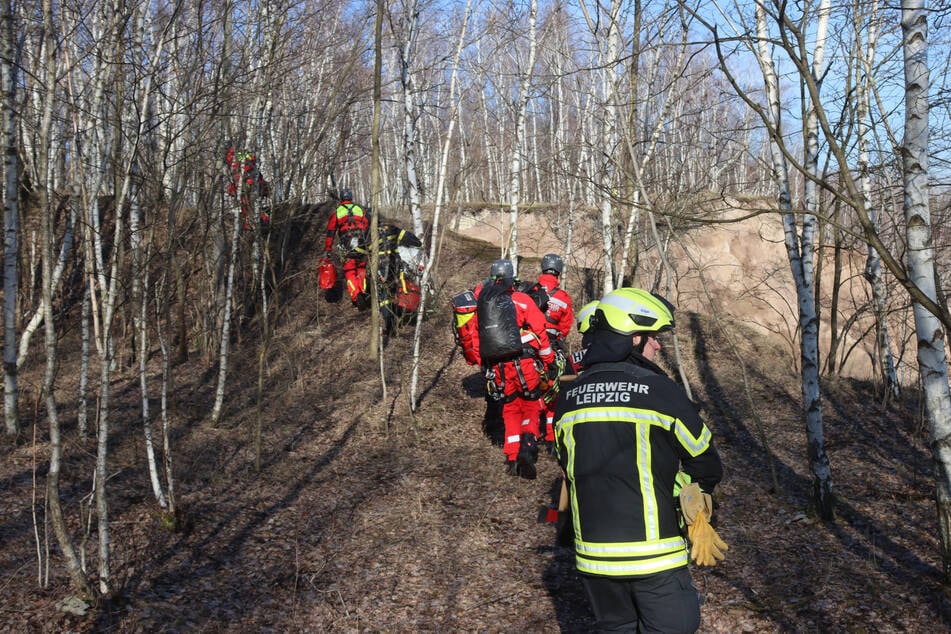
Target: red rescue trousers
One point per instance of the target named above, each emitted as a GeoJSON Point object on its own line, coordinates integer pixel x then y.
{"type": "Point", "coordinates": [519, 415]}
{"type": "Point", "coordinates": [355, 272]}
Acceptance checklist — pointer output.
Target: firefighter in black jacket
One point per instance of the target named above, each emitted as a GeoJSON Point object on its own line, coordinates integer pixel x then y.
{"type": "Point", "coordinates": [627, 437]}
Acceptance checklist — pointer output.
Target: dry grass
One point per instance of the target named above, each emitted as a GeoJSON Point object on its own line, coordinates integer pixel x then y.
{"type": "Point", "coordinates": [367, 518]}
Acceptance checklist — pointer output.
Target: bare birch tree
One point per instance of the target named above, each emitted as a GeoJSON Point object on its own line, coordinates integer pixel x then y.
{"type": "Point", "coordinates": [11, 231]}
{"type": "Point", "coordinates": [406, 35]}
{"type": "Point", "coordinates": [44, 179]}
{"type": "Point", "coordinates": [225, 340]}
{"type": "Point", "coordinates": [932, 342]}
{"type": "Point", "coordinates": [525, 74]}
{"type": "Point", "coordinates": [865, 56]}
{"type": "Point", "coordinates": [605, 184]}
{"type": "Point", "coordinates": [635, 162]}
{"type": "Point", "coordinates": [375, 347]}
{"type": "Point", "coordinates": [795, 45]}
{"type": "Point", "coordinates": [433, 242]}
{"type": "Point", "coordinates": [799, 241]}
{"type": "Point", "coordinates": [802, 262]}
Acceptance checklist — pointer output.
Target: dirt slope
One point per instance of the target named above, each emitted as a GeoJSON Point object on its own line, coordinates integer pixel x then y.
{"type": "Point", "coordinates": [367, 518]}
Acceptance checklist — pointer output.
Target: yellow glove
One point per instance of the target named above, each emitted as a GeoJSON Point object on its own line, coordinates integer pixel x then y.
{"type": "Point", "coordinates": [693, 500]}
{"type": "Point", "coordinates": [697, 507]}
{"type": "Point", "coordinates": [706, 546]}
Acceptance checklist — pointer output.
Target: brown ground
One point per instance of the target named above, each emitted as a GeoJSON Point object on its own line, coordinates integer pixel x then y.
{"type": "Point", "coordinates": [364, 517]}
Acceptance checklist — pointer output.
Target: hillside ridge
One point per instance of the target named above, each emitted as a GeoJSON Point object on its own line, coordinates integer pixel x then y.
{"type": "Point", "coordinates": [365, 516]}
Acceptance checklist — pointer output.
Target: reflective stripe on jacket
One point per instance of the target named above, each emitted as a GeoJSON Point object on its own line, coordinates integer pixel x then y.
{"type": "Point", "coordinates": [348, 216]}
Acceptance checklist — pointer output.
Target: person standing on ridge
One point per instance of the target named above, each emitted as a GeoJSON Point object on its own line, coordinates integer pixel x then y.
{"type": "Point", "coordinates": [350, 224]}
{"type": "Point", "coordinates": [628, 438]}
{"type": "Point", "coordinates": [514, 378]}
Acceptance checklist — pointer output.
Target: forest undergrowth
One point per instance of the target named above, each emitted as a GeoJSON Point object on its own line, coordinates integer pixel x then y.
{"type": "Point", "coordinates": [366, 517]}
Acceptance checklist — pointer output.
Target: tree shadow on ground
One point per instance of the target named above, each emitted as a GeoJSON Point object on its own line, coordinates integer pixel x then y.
{"type": "Point", "coordinates": [207, 556]}
{"type": "Point", "coordinates": [566, 592]}
{"type": "Point", "coordinates": [732, 434]}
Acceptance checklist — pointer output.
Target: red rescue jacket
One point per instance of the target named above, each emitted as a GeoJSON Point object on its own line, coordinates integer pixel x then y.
{"type": "Point", "coordinates": [560, 317]}
{"type": "Point", "coordinates": [347, 217]}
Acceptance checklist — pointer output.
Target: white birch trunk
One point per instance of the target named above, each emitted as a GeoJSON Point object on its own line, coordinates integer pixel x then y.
{"type": "Point", "coordinates": [224, 345]}
{"type": "Point", "coordinates": [800, 257]}
{"type": "Point", "coordinates": [535, 162]}
{"type": "Point", "coordinates": [375, 347]}
{"type": "Point", "coordinates": [805, 289]}
{"type": "Point", "coordinates": [518, 150]}
{"type": "Point", "coordinates": [488, 188]}
{"type": "Point", "coordinates": [44, 180]}
{"type": "Point", "coordinates": [407, 53]}
{"type": "Point", "coordinates": [110, 297]}
{"type": "Point", "coordinates": [603, 172]}
{"type": "Point", "coordinates": [559, 136]}
{"type": "Point", "coordinates": [143, 356]}
{"type": "Point", "coordinates": [932, 362]}
{"type": "Point", "coordinates": [166, 388]}
{"type": "Point", "coordinates": [11, 230]}
{"type": "Point", "coordinates": [632, 217]}
{"type": "Point", "coordinates": [37, 318]}
{"type": "Point", "coordinates": [82, 407]}
{"type": "Point", "coordinates": [873, 264]}
{"type": "Point", "coordinates": [437, 211]}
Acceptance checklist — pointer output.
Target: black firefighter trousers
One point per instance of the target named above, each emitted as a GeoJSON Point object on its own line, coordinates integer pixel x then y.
{"type": "Point", "coordinates": [666, 602]}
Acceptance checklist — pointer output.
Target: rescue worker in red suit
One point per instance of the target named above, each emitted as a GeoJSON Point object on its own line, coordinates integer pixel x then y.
{"type": "Point", "coordinates": [492, 424]}
{"type": "Point", "coordinates": [518, 383]}
{"type": "Point", "coordinates": [397, 279]}
{"type": "Point", "coordinates": [350, 224]}
{"type": "Point", "coordinates": [248, 181]}
{"type": "Point", "coordinates": [559, 318]}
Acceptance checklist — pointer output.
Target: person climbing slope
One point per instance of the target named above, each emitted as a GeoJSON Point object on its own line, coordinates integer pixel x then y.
{"type": "Point", "coordinates": [349, 224]}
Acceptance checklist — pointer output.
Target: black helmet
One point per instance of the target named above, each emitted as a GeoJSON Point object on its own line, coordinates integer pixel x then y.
{"type": "Point", "coordinates": [552, 263]}
{"type": "Point", "coordinates": [346, 194]}
{"type": "Point", "coordinates": [501, 268]}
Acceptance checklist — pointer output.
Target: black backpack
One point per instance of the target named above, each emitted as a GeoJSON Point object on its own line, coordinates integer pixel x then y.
{"type": "Point", "coordinates": [536, 291]}
{"type": "Point", "coordinates": [500, 338]}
